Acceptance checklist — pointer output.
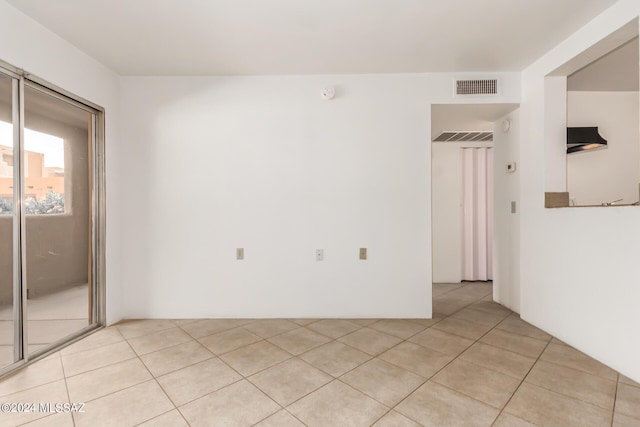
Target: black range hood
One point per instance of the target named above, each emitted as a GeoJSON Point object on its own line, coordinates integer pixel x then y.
{"type": "Point", "coordinates": [583, 139]}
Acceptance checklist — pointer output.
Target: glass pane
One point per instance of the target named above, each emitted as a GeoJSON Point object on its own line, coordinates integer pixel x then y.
{"type": "Point", "coordinates": [57, 213]}
{"type": "Point", "coordinates": [6, 223]}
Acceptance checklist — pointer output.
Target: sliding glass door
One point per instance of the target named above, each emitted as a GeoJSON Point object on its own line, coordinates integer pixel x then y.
{"type": "Point", "coordinates": [50, 223]}
{"type": "Point", "coordinates": [57, 228]}
{"type": "Point", "coordinates": [9, 223]}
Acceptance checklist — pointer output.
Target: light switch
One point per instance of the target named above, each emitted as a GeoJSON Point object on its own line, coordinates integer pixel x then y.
{"type": "Point", "coordinates": [319, 254]}
{"type": "Point", "coordinates": [363, 253]}
{"type": "Point", "coordinates": [240, 253]}
{"type": "Point", "coordinates": [513, 207]}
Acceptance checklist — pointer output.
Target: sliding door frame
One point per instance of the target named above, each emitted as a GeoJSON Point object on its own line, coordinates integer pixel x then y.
{"type": "Point", "coordinates": [97, 213]}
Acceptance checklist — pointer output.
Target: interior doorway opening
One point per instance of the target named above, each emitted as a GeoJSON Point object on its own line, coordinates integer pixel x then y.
{"type": "Point", "coordinates": [475, 243]}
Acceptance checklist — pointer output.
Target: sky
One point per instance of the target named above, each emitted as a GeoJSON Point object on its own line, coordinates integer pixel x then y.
{"type": "Point", "coordinates": [51, 146]}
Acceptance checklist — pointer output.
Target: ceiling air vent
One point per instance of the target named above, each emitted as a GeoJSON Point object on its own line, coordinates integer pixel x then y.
{"type": "Point", "coordinates": [477, 87]}
{"type": "Point", "coordinates": [455, 136]}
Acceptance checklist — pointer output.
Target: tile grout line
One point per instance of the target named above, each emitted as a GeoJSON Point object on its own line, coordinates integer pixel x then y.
{"type": "Point", "coordinates": [281, 409]}
{"type": "Point", "coordinates": [492, 369]}
{"type": "Point", "coordinates": [572, 398]}
{"type": "Point", "coordinates": [163, 391]}
{"type": "Point", "coordinates": [29, 388]}
{"type": "Point", "coordinates": [213, 355]}
{"type": "Point", "coordinates": [158, 416]}
{"type": "Point", "coordinates": [333, 378]}
{"type": "Point", "coordinates": [20, 371]}
{"type": "Point", "coordinates": [498, 347]}
{"type": "Point", "coordinates": [161, 348]}
{"type": "Point", "coordinates": [267, 396]}
{"type": "Point", "coordinates": [234, 349]}
{"type": "Point", "coordinates": [393, 408]}
{"type": "Point", "coordinates": [175, 407]}
{"type": "Point", "coordinates": [426, 380]}
{"type": "Point", "coordinates": [519, 334]}
{"type": "Point", "coordinates": [462, 352]}
{"type": "Point", "coordinates": [145, 333]}
{"type": "Point", "coordinates": [153, 378]}
{"type": "Point", "coordinates": [390, 408]}
{"type": "Point", "coordinates": [242, 377]}
{"type": "Point", "coordinates": [245, 378]}
{"type": "Point", "coordinates": [119, 390]}
{"type": "Point", "coordinates": [374, 398]}
{"type": "Point", "coordinates": [66, 386]}
{"type": "Point", "coordinates": [238, 326]}
{"type": "Point", "coordinates": [437, 322]}
{"type": "Point", "coordinates": [51, 382]}
{"type": "Point", "coordinates": [107, 365]}
{"type": "Point", "coordinates": [615, 400]}
{"type": "Point", "coordinates": [571, 368]}
{"type": "Point", "coordinates": [215, 391]}
{"type": "Point", "coordinates": [370, 357]}
{"type": "Point", "coordinates": [360, 327]}
{"type": "Point", "coordinates": [260, 370]}
{"type": "Point", "coordinates": [521, 382]}
{"type": "Point", "coordinates": [293, 415]}
{"type": "Point", "coordinates": [104, 366]}
{"type": "Point", "coordinates": [64, 351]}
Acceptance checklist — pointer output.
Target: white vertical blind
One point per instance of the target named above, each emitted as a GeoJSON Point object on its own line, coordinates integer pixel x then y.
{"type": "Point", "coordinates": [477, 213]}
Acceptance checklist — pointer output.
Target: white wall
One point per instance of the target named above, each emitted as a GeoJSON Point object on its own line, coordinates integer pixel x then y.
{"type": "Point", "coordinates": [506, 238]}
{"type": "Point", "coordinates": [264, 163]}
{"type": "Point", "coordinates": [594, 177]}
{"type": "Point", "coordinates": [579, 269]}
{"type": "Point", "coordinates": [446, 210]}
{"type": "Point", "coordinates": [555, 133]}
{"type": "Point", "coordinates": [26, 44]}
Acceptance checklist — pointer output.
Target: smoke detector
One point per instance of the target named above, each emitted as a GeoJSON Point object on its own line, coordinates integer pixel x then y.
{"type": "Point", "coordinates": [328, 93]}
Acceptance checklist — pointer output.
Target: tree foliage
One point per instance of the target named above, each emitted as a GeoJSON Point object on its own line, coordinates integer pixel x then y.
{"type": "Point", "coordinates": [53, 203]}
{"type": "Point", "coordinates": [6, 207]}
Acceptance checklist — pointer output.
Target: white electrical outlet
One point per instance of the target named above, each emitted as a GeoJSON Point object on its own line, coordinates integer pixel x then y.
{"type": "Point", "coordinates": [319, 254]}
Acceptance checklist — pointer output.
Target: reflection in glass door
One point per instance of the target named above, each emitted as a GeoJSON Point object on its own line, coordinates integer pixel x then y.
{"type": "Point", "coordinates": [7, 222]}
{"type": "Point", "coordinates": [51, 218]}
{"type": "Point", "coordinates": [57, 137]}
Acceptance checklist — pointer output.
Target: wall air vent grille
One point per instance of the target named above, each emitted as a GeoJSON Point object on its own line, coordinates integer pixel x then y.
{"type": "Point", "coordinates": [456, 136]}
{"type": "Point", "coordinates": [477, 87]}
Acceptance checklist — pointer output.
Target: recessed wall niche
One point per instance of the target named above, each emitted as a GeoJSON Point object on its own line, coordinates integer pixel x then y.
{"type": "Point", "coordinates": [596, 89]}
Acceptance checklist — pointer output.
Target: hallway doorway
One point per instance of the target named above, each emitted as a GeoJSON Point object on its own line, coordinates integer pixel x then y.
{"type": "Point", "coordinates": [474, 200]}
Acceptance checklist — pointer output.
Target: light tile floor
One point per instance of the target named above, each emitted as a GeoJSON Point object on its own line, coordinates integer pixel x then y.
{"type": "Point", "coordinates": [475, 364]}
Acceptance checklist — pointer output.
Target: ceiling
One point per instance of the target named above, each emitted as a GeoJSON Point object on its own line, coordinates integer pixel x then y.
{"type": "Point", "coordinates": [249, 37]}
